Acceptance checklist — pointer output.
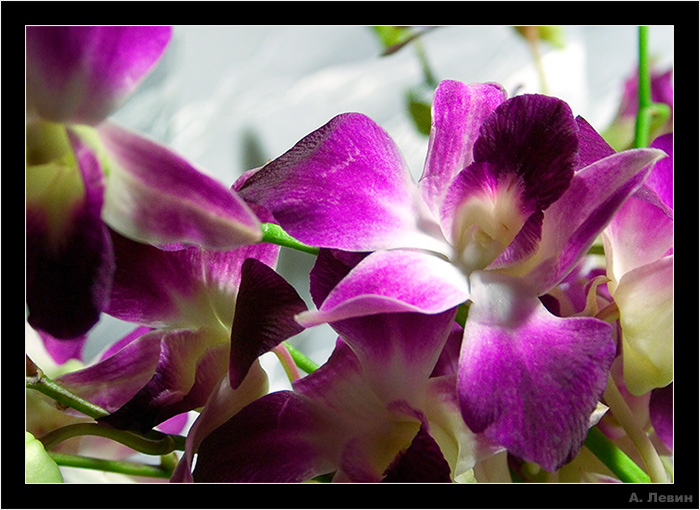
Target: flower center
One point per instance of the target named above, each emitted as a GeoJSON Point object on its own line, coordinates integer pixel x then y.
{"type": "Point", "coordinates": [485, 224]}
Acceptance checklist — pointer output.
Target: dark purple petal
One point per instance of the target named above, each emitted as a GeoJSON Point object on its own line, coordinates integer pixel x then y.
{"type": "Point", "coordinates": [530, 380]}
{"type": "Point", "coordinates": [81, 74]}
{"type": "Point", "coordinates": [330, 267]}
{"type": "Point", "coordinates": [533, 137]}
{"type": "Point", "coordinates": [115, 380]}
{"type": "Point", "coordinates": [223, 403]}
{"type": "Point", "coordinates": [422, 462]}
{"type": "Point", "coordinates": [393, 281]}
{"type": "Point", "coordinates": [271, 440]}
{"type": "Point", "coordinates": [661, 414]}
{"type": "Point", "coordinates": [448, 361]}
{"type": "Point", "coordinates": [457, 114]}
{"type": "Point", "coordinates": [190, 364]}
{"type": "Point", "coordinates": [345, 186]}
{"type": "Point", "coordinates": [265, 309]}
{"type": "Point", "coordinates": [592, 146]}
{"type": "Point", "coordinates": [154, 195]}
{"type": "Point", "coordinates": [69, 252]}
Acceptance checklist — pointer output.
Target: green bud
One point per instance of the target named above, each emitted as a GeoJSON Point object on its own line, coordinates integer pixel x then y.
{"type": "Point", "coordinates": [39, 466]}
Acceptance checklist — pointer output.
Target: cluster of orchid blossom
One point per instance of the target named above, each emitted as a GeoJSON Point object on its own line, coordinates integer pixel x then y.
{"type": "Point", "coordinates": [508, 317]}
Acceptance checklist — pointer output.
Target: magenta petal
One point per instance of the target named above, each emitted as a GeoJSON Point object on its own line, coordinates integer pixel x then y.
{"type": "Point", "coordinates": [190, 364]}
{"type": "Point", "coordinates": [271, 440]}
{"type": "Point", "coordinates": [63, 350]}
{"type": "Point", "coordinates": [155, 196]}
{"type": "Point", "coordinates": [527, 379]}
{"type": "Point", "coordinates": [661, 178]}
{"type": "Point", "coordinates": [69, 271]}
{"type": "Point", "coordinates": [393, 281]}
{"type": "Point", "coordinates": [573, 222]}
{"type": "Point", "coordinates": [81, 74]}
{"type": "Point", "coordinates": [592, 146]}
{"type": "Point", "coordinates": [115, 380]}
{"type": "Point", "coordinates": [345, 186]}
{"type": "Point", "coordinates": [264, 317]}
{"type": "Point", "coordinates": [457, 114]}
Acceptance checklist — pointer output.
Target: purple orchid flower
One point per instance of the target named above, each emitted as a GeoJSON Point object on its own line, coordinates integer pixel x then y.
{"type": "Point", "coordinates": [375, 411]}
{"type": "Point", "coordinates": [204, 315]}
{"type": "Point", "coordinates": [639, 252]}
{"type": "Point", "coordinates": [83, 171]}
{"type": "Point", "coordinates": [512, 195]}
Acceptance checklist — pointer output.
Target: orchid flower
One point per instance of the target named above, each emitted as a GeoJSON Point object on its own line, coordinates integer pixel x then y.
{"type": "Point", "coordinates": [373, 412]}
{"type": "Point", "coordinates": [639, 250]}
{"type": "Point", "coordinates": [511, 197]}
{"type": "Point", "coordinates": [83, 171]}
{"type": "Point", "coordinates": [195, 308]}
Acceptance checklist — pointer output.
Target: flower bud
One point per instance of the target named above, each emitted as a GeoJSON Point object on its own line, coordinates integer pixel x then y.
{"type": "Point", "coordinates": [39, 466]}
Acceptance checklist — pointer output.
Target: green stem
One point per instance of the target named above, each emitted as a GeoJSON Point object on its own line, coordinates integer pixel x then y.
{"type": "Point", "coordinates": [615, 459]}
{"type": "Point", "coordinates": [274, 234]}
{"type": "Point", "coordinates": [300, 359]}
{"type": "Point", "coordinates": [641, 132]}
{"type": "Point", "coordinates": [165, 470]}
{"type": "Point", "coordinates": [37, 380]}
{"type": "Point", "coordinates": [153, 443]}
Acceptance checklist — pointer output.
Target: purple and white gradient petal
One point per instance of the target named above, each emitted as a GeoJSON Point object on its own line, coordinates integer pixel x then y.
{"type": "Point", "coordinates": [346, 186]}
{"type": "Point", "coordinates": [153, 195]}
{"type": "Point", "coordinates": [527, 379]}
{"type": "Point", "coordinates": [82, 74]}
{"type": "Point", "coordinates": [458, 111]}
{"type": "Point", "coordinates": [393, 281]}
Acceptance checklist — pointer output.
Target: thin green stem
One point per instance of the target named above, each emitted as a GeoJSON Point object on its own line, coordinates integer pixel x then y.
{"type": "Point", "coordinates": [152, 443]}
{"type": "Point", "coordinates": [274, 234]}
{"type": "Point", "coordinates": [37, 380]}
{"type": "Point", "coordinates": [165, 470]}
{"type": "Point", "coordinates": [644, 113]}
{"type": "Point", "coordinates": [300, 359]}
{"type": "Point", "coordinates": [615, 459]}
